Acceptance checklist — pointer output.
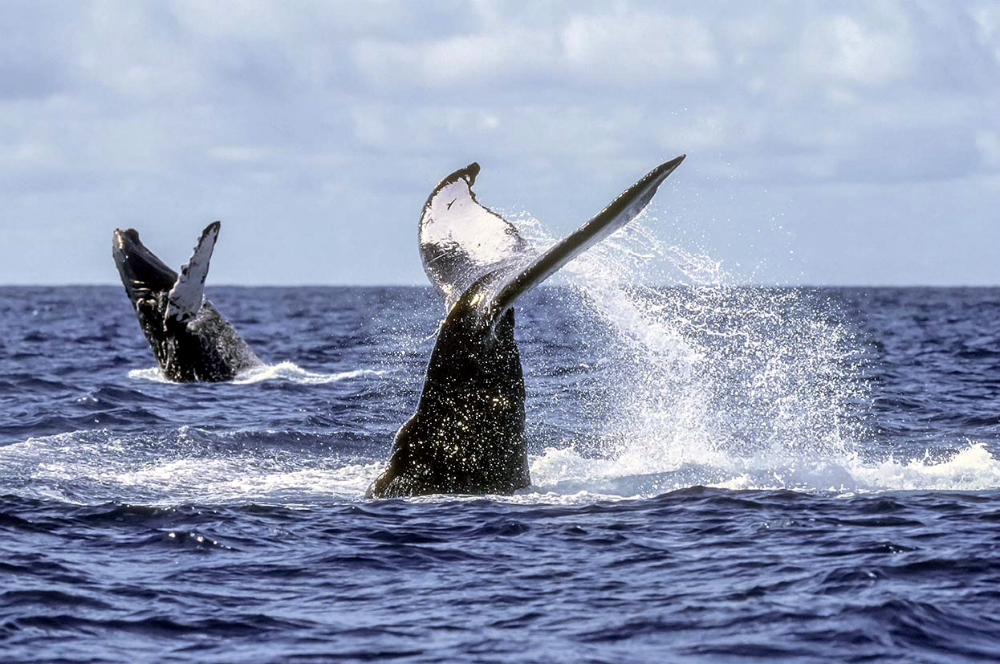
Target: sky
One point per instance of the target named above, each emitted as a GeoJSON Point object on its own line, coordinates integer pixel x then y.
{"type": "Point", "coordinates": [853, 143]}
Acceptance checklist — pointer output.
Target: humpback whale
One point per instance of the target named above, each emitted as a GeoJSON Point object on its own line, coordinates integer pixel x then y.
{"type": "Point", "coordinates": [190, 338]}
{"type": "Point", "coordinates": [467, 434]}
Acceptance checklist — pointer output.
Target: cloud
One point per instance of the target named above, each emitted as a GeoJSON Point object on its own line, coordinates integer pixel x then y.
{"type": "Point", "coordinates": [845, 49]}
{"type": "Point", "coordinates": [336, 117]}
{"type": "Point", "coordinates": [630, 49]}
{"type": "Point", "coordinates": [240, 154]}
{"type": "Point", "coordinates": [477, 60]}
{"type": "Point", "coordinates": [637, 48]}
{"type": "Point", "coordinates": [987, 18]}
{"type": "Point", "coordinates": [988, 143]}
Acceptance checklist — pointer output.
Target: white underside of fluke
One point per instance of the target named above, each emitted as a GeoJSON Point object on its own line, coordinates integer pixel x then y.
{"type": "Point", "coordinates": [460, 240]}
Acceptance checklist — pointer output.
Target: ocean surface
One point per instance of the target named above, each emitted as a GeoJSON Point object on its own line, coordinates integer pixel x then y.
{"type": "Point", "coordinates": [720, 474]}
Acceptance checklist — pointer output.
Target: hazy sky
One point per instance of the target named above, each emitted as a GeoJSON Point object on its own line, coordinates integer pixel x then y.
{"type": "Point", "coordinates": [827, 142]}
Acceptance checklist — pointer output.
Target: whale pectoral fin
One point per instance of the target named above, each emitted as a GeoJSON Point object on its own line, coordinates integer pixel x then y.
{"type": "Point", "coordinates": [619, 212]}
{"type": "Point", "coordinates": [186, 297]}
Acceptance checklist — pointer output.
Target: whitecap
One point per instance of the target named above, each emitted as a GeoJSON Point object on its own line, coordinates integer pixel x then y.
{"type": "Point", "coordinates": [293, 373]}
{"type": "Point", "coordinates": [288, 371]}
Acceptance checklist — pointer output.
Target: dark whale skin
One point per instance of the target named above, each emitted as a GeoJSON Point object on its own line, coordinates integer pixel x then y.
{"type": "Point", "coordinates": [467, 434]}
{"type": "Point", "coordinates": [204, 349]}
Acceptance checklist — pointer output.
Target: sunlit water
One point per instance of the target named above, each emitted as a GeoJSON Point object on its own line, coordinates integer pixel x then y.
{"type": "Point", "coordinates": [719, 474]}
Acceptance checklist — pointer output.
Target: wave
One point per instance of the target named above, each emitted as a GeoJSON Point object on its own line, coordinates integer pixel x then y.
{"type": "Point", "coordinates": [288, 371]}
{"type": "Point", "coordinates": [182, 466]}
{"type": "Point", "coordinates": [566, 472]}
{"type": "Point", "coordinates": [293, 373]}
{"type": "Point", "coordinates": [193, 466]}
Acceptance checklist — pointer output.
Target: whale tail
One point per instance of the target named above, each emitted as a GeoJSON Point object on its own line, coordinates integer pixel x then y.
{"type": "Point", "coordinates": [466, 247]}
{"type": "Point", "coordinates": [188, 293]}
{"type": "Point", "coordinates": [614, 216]}
{"type": "Point", "coordinates": [461, 241]}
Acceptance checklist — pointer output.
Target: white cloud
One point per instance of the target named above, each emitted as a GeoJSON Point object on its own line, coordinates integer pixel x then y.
{"type": "Point", "coordinates": [27, 155]}
{"type": "Point", "coordinates": [240, 154]}
{"type": "Point", "coordinates": [476, 59]}
{"type": "Point", "coordinates": [128, 50]}
{"type": "Point", "coordinates": [844, 48]}
{"type": "Point", "coordinates": [316, 110]}
{"type": "Point", "coordinates": [988, 143]}
{"type": "Point", "coordinates": [246, 20]}
{"type": "Point", "coordinates": [987, 17]}
{"type": "Point", "coordinates": [636, 47]}
{"type": "Point", "coordinates": [627, 49]}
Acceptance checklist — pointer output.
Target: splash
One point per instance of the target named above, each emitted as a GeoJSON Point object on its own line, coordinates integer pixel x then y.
{"type": "Point", "coordinates": [715, 383]}
{"type": "Point", "coordinates": [152, 374]}
{"type": "Point", "coordinates": [190, 465]}
{"type": "Point", "coordinates": [183, 466]}
{"type": "Point", "coordinates": [972, 468]}
{"type": "Point", "coordinates": [563, 474]}
{"type": "Point", "coordinates": [292, 373]}
{"type": "Point", "coordinates": [288, 371]}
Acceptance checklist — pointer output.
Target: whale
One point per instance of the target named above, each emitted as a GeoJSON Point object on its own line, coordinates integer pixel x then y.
{"type": "Point", "coordinates": [191, 340]}
{"type": "Point", "coordinates": [467, 433]}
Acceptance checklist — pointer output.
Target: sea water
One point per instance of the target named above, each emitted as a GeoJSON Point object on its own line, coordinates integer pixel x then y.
{"type": "Point", "coordinates": [720, 473]}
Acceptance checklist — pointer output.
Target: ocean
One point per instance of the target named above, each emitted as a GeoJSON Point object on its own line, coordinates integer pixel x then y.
{"type": "Point", "coordinates": [720, 474]}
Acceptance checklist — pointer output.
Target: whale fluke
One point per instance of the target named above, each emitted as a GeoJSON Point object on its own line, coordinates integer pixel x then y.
{"type": "Point", "coordinates": [461, 241]}
{"type": "Point", "coordinates": [619, 212]}
{"type": "Point", "coordinates": [467, 434]}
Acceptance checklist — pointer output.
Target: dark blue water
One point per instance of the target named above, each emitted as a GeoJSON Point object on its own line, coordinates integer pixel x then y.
{"type": "Point", "coordinates": [720, 475]}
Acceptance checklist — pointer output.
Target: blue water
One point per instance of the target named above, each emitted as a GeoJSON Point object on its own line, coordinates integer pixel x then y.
{"type": "Point", "coordinates": [720, 475]}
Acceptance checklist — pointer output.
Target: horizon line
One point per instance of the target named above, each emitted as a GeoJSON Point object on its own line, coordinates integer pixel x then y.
{"type": "Point", "coordinates": [427, 285]}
